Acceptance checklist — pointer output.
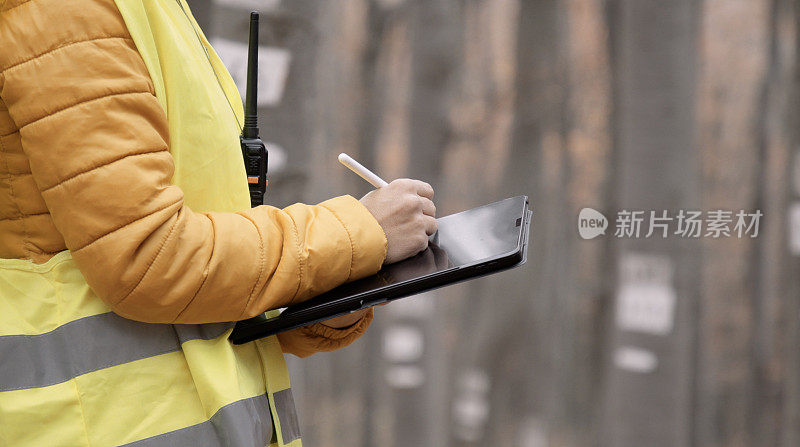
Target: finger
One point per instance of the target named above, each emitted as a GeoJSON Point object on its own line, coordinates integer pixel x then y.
{"type": "Point", "coordinates": [424, 189]}
{"type": "Point", "coordinates": [430, 225]}
{"type": "Point", "coordinates": [406, 184]}
{"type": "Point", "coordinates": [428, 208]}
{"type": "Point", "coordinates": [416, 186]}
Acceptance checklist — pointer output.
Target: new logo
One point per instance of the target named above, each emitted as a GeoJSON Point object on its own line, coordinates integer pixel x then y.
{"type": "Point", "coordinates": [591, 223]}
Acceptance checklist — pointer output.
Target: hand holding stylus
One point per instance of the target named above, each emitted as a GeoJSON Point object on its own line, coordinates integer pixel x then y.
{"type": "Point", "coordinates": [404, 209]}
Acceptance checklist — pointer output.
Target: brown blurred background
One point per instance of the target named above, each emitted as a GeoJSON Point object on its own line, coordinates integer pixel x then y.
{"type": "Point", "coordinates": [609, 104]}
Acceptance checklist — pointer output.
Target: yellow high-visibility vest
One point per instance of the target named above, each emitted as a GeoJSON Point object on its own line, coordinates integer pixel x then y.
{"type": "Point", "coordinates": [72, 372]}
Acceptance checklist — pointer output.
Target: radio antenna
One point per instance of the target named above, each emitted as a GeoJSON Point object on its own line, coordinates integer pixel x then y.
{"type": "Point", "coordinates": [253, 149]}
{"type": "Point", "coordinates": [250, 129]}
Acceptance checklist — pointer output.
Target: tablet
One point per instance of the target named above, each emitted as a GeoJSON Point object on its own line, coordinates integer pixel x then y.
{"type": "Point", "coordinates": [470, 244]}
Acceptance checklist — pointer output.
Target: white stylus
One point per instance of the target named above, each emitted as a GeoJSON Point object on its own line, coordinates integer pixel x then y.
{"type": "Point", "coordinates": [362, 172]}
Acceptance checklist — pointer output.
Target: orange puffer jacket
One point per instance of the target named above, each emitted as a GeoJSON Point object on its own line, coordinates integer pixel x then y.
{"type": "Point", "coordinates": [85, 166]}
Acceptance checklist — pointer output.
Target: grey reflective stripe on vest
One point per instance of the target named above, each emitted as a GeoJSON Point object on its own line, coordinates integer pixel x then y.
{"type": "Point", "coordinates": [243, 423]}
{"type": "Point", "coordinates": [287, 415]}
{"type": "Point", "coordinates": [90, 344]}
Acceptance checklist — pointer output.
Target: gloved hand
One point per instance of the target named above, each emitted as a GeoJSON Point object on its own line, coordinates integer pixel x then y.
{"type": "Point", "coordinates": [405, 210]}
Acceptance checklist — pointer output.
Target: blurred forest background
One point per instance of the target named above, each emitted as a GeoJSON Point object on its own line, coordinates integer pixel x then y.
{"type": "Point", "coordinates": [609, 104]}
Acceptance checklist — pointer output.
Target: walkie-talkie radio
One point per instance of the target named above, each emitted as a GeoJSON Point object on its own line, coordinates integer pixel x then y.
{"type": "Point", "coordinates": [253, 149]}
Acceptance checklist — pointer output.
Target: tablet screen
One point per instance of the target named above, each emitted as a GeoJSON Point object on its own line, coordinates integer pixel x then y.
{"type": "Point", "coordinates": [463, 239]}
{"type": "Point", "coordinates": [481, 233]}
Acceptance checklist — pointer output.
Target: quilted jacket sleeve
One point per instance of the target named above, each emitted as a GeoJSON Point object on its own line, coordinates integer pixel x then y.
{"type": "Point", "coordinates": [96, 139]}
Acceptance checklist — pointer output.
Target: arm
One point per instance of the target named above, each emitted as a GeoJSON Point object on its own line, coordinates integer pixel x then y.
{"type": "Point", "coordinates": [406, 210]}
{"type": "Point", "coordinates": [96, 139]}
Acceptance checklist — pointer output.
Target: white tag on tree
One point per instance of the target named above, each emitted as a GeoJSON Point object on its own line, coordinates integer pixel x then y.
{"type": "Point", "coordinates": [646, 297]}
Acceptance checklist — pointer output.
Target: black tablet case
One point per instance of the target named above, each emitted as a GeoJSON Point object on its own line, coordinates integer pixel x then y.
{"type": "Point", "coordinates": [345, 299]}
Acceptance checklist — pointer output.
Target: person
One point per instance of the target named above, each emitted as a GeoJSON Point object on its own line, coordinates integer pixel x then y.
{"type": "Point", "coordinates": [128, 246]}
